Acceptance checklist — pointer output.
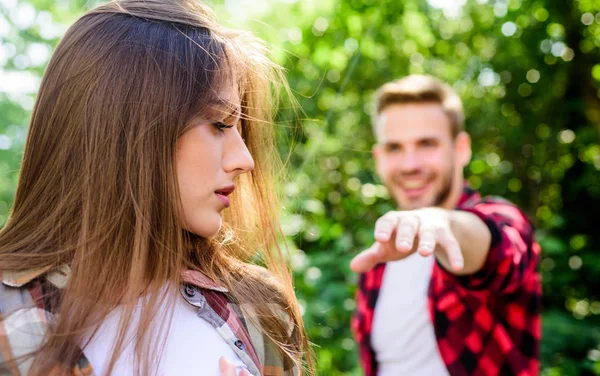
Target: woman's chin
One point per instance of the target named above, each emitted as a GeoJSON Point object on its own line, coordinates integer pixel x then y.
{"type": "Point", "coordinates": [207, 228]}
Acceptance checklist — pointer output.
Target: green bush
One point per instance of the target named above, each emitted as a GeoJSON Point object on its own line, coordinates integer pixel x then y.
{"type": "Point", "coordinates": [529, 74]}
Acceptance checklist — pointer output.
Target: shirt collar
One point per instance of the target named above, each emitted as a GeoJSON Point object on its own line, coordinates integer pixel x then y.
{"type": "Point", "coordinates": [60, 275]}
{"type": "Point", "coordinates": [23, 277]}
{"type": "Point", "coordinates": [199, 279]}
{"type": "Point", "coordinates": [467, 196]}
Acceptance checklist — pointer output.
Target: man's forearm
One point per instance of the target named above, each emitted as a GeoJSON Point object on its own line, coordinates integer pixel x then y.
{"type": "Point", "coordinates": [474, 238]}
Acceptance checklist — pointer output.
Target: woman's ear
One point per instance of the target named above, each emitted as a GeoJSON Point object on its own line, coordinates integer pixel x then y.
{"type": "Point", "coordinates": [462, 147]}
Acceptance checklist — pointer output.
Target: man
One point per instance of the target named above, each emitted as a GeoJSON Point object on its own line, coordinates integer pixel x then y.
{"type": "Point", "coordinates": [450, 286]}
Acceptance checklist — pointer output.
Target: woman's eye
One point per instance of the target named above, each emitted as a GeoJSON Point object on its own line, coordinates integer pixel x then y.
{"type": "Point", "coordinates": [221, 126]}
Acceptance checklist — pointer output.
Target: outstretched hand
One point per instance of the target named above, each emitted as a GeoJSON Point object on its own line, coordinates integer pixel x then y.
{"type": "Point", "coordinates": [228, 369]}
{"type": "Point", "coordinates": [398, 234]}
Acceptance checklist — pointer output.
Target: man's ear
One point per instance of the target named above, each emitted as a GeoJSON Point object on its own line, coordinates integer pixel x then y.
{"type": "Point", "coordinates": [378, 156]}
{"type": "Point", "coordinates": [463, 148]}
{"type": "Point", "coordinates": [376, 151]}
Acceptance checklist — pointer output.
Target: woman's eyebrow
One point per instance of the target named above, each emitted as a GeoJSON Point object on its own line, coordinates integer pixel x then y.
{"type": "Point", "coordinates": [229, 108]}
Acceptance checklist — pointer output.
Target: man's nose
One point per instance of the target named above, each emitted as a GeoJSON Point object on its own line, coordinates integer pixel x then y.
{"type": "Point", "coordinates": [410, 161]}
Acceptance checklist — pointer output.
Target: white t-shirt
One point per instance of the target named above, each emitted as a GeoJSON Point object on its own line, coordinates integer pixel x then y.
{"type": "Point", "coordinates": [403, 337]}
{"type": "Point", "coordinates": [193, 346]}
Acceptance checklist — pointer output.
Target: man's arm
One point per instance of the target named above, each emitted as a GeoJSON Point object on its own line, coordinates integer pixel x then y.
{"type": "Point", "coordinates": [511, 262]}
{"type": "Point", "coordinates": [489, 246]}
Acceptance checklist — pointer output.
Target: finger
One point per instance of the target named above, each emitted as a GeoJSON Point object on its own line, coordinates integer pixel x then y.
{"type": "Point", "coordinates": [226, 368]}
{"type": "Point", "coordinates": [450, 245]}
{"type": "Point", "coordinates": [406, 232]}
{"type": "Point", "coordinates": [427, 240]}
{"type": "Point", "coordinates": [384, 227]}
{"type": "Point", "coordinates": [367, 259]}
{"type": "Point", "coordinates": [245, 373]}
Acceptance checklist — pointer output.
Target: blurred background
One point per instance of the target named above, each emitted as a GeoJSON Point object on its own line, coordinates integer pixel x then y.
{"type": "Point", "coordinates": [528, 72]}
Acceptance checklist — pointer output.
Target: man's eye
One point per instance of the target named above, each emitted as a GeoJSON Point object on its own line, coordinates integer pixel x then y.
{"type": "Point", "coordinates": [429, 143]}
{"type": "Point", "coordinates": [392, 148]}
{"type": "Point", "coordinates": [222, 126]}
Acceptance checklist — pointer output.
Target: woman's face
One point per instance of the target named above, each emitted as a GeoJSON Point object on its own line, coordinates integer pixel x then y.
{"type": "Point", "coordinates": [209, 157]}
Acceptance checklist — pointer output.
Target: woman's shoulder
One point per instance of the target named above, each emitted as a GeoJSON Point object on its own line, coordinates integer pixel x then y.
{"type": "Point", "coordinates": [273, 302]}
{"type": "Point", "coordinates": [259, 271]}
{"type": "Point", "coordinates": [23, 317]}
{"type": "Point", "coordinates": [21, 291]}
{"type": "Point", "coordinates": [28, 300]}
{"type": "Point", "coordinates": [32, 288]}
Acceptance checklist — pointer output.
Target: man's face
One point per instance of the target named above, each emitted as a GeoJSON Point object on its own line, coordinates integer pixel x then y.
{"type": "Point", "coordinates": [417, 157]}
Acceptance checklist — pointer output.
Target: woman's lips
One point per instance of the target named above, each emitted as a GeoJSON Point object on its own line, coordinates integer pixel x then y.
{"type": "Point", "coordinates": [224, 199]}
{"type": "Point", "coordinates": [223, 193]}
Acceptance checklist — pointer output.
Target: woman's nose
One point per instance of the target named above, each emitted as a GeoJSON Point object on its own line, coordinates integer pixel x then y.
{"type": "Point", "coordinates": [237, 157]}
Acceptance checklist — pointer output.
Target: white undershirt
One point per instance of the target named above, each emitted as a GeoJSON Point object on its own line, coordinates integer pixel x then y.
{"type": "Point", "coordinates": [193, 346]}
{"type": "Point", "coordinates": [403, 337]}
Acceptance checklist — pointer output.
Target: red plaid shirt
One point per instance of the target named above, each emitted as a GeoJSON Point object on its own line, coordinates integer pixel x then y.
{"type": "Point", "coordinates": [487, 323]}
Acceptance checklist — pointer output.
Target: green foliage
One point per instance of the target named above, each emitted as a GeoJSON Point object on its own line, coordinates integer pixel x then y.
{"type": "Point", "coordinates": [529, 76]}
{"type": "Point", "coordinates": [526, 71]}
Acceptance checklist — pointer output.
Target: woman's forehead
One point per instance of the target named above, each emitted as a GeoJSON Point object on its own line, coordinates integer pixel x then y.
{"type": "Point", "coordinates": [228, 96]}
{"type": "Point", "coordinates": [219, 102]}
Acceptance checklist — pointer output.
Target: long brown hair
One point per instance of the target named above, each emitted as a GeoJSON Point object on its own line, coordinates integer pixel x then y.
{"type": "Point", "coordinates": [97, 188]}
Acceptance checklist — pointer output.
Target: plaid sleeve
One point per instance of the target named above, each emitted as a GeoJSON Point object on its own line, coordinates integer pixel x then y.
{"type": "Point", "coordinates": [23, 326]}
{"type": "Point", "coordinates": [357, 324]}
{"type": "Point", "coordinates": [25, 316]}
{"type": "Point", "coordinates": [273, 362]}
{"type": "Point", "coordinates": [369, 284]}
{"type": "Point", "coordinates": [513, 255]}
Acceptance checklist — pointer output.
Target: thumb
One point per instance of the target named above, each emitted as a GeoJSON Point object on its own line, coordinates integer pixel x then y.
{"type": "Point", "coordinates": [226, 368]}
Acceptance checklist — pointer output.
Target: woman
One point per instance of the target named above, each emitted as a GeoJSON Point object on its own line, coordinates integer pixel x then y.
{"type": "Point", "coordinates": [151, 119]}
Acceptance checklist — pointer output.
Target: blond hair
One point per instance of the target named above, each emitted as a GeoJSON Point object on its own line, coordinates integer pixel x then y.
{"type": "Point", "coordinates": [421, 89]}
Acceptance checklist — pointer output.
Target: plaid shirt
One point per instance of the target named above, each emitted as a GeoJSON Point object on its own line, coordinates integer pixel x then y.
{"type": "Point", "coordinates": [25, 313]}
{"type": "Point", "coordinates": [487, 323]}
